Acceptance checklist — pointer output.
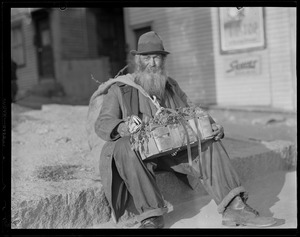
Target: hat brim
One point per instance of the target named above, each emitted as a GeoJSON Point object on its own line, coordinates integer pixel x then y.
{"type": "Point", "coordinates": [134, 52]}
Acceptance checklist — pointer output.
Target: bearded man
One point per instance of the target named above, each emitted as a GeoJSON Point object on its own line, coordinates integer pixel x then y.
{"type": "Point", "coordinates": [123, 172]}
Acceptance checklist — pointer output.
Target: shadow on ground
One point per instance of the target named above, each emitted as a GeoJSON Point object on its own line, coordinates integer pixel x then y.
{"type": "Point", "coordinates": [181, 212]}
{"type": "Point", "coordinates": [264, 195]}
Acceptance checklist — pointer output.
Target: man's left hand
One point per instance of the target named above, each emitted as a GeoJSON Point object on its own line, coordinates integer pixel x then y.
{"type": "Point", "coordinates": [218, 131]}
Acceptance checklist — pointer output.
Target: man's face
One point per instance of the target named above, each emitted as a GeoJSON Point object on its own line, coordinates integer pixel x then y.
{"type": "Point", "coordinates": [151, 74]}
{"type": "Point", "coordinates": [151, 62]}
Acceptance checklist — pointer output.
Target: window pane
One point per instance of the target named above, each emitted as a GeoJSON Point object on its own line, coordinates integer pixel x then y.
{"type": "Point", "coordinates": [17, 49]}
{"type": "Point", "coordinates": [13, 38]}
{"type": "Point", "coordinates": [20, 56]}
{"type": "Point", "coordinates": [18, 36]}
{"type": "Point", "coordinates": [13, 55]}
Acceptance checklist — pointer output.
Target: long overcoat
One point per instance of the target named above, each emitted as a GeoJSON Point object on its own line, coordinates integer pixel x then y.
{"type": "Point", "coordinates": [120, 102]}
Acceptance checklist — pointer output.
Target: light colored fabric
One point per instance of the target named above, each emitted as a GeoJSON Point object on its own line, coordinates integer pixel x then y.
{"type": "Point", "coordinates": [126, 79]}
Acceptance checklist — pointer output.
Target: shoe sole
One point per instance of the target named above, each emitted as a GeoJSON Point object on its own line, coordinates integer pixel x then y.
{"type": "Point", "coordinates": [235, 223]}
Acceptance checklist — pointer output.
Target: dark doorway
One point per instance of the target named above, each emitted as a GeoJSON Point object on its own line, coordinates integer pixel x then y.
{"type": "Point", "coordinates": [111, 36]}
{"type": "Point", "coordinates": [43, 43]}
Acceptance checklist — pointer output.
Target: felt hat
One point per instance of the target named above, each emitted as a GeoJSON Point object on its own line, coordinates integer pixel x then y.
{"type": "Point", "coordinates": [150, 43]}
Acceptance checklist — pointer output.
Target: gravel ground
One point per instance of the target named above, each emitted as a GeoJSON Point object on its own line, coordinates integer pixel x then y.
{"type": "Point", "coordinates": [50, 147]}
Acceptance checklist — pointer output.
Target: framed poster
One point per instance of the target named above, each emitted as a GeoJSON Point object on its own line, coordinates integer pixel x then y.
{"type": "Point", "coordinates": [241, 29]}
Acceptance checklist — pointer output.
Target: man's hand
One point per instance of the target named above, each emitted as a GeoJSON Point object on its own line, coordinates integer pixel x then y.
{"type": "Point", "coordinates": [132, 125]}
{"type": "Point", "coordinates": [218, 131]}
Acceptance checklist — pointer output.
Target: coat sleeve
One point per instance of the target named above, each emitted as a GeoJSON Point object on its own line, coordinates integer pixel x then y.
{"type": "Point", "coordinates": [110, 116]}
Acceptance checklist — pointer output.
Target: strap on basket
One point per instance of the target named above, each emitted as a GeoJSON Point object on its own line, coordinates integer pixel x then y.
{"type": "Point", "coordinates": [221, 143]}
{"type": "Point", "coordinates": [199, 148]}
{"type": "Point", "coordinates": [211, 160]}
{"type": "Point", "coordinates": [183, 123]}
{"type": "Point", "coordinates": [198, 136]}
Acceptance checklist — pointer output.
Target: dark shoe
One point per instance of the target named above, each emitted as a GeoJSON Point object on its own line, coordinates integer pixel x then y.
{"type": "Point", "coordinates": [239, 213]}
{"type": "Point", "coordinates": [156, 222]}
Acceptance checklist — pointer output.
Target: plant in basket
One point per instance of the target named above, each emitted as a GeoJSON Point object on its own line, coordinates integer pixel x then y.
{"type": "Point", "coordinates": [141, 138]}
{"type": "Point", "coordinates": [169, 129]}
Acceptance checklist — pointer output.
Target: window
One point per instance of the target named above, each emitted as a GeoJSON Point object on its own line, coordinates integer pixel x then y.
{"type": "Point", "coordinates": [17, 45]}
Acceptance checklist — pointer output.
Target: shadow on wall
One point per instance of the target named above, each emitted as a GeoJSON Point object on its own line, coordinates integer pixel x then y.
{"type": "Point", "coordinates": [48, 89]}
{"type": "Point", "coordinates": [76, 76]}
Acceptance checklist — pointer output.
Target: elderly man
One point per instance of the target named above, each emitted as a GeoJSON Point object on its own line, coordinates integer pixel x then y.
{"type": "Point", "coordinates": [125, 174]}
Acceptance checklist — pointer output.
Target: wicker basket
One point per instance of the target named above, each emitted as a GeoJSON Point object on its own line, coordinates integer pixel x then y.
{"type": "Point", "coordinates": [165, 140]}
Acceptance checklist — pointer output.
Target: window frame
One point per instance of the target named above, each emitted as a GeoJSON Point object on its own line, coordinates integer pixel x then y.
{"type": "Point", "coordinates": [20, 46]}
{"type": "Point", "coordinates": [140, 28]}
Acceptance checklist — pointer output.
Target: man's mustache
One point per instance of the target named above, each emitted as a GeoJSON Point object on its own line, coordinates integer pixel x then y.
{"type": "Point", "coordinates": [151, 69]}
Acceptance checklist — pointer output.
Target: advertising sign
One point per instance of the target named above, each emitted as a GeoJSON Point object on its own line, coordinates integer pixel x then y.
{"type": "Point", "coordinates": [244, 66]}
{"type": "Point", "coordinates": [241, 29]}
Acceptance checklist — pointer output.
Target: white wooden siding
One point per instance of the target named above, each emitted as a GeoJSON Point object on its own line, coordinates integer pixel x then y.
{"type": "Point", "coordinates": [274, 86]}
{"type": "Point", "coordinates": [279, 43]}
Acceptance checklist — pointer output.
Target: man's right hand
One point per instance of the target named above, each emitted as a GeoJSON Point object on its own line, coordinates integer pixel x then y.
{"type": "Point", "coordinates": [132, 125]}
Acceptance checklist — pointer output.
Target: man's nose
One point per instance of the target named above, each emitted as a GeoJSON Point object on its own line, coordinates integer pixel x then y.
{"type": "Point", "coordinates": [152, 62]}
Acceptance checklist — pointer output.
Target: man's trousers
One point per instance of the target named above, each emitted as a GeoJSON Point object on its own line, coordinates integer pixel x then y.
{"type": "Point", "coordinates": [135, 177]}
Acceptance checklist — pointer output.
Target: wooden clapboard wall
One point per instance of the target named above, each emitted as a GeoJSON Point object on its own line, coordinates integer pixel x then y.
{"type": "Point", "coordinates": [282, 49]}
{"type": "Point", "coordinates": [274, 86]}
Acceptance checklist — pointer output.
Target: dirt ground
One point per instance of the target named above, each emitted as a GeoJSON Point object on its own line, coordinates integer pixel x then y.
{"type": "Point", "coordinates": [49, 145]}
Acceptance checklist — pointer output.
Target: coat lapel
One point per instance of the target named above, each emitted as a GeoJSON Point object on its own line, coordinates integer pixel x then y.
{"type": "Point", "coordinates": [131, 99]}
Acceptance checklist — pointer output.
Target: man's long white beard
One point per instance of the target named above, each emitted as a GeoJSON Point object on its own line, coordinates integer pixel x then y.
{"type": "Point", "coordinates": [153, 82]}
